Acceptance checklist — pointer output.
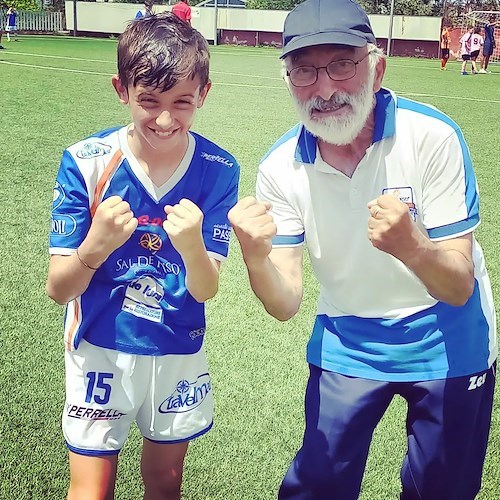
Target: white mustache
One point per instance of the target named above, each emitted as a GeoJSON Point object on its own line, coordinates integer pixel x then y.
{"type": "Point", "coordinates": [319, 104]}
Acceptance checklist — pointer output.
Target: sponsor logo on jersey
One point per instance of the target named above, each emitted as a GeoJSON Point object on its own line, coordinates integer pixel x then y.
{"type": "Point", "coordinates": [221, 232]}
{"type": "Point", "coordinates": [187, 395]}
{"type": "Point", "coordinates": [86, 413]}
{"type": "Point", "coordinates": [151, 261]}
{"type": "Point", "coordinates": [58, 196]}
{"type": "Point", "coordinates": [63, 225]}
{"type": "Point", "coordinates": [92, 150]}
{"type": "Point", "coordinates": [146, 220]}
{"type": "Point", "coordinates": [143, 297]}
{"type": "Point", "coordinates": [151, 241]}
{"type": "Point", "coordinates": [193, 334]}
{"type": "Point", "coordinates": [404, 194]}
{"type": "Point", "coordinates": [217, 159]}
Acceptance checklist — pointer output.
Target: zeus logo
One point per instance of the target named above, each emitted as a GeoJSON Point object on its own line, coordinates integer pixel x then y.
{"type": "Point", "coordinates": [476, 381]}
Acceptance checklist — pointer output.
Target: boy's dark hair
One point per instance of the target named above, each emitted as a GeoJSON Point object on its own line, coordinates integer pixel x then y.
{"type": "Point", "coordinates": [161, 50]}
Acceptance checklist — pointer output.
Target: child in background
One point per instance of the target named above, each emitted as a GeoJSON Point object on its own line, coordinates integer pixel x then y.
{"type": "Point", "coordinates": [465, 42]}
{"type": "Point", "coordinates": [476, 42]}
{"type": "Point", "coordinates": [139, 230]}
{"type": "Point", "coordinates": [445, 47]}
{"type": "Point", "coordinates": [11, 24]}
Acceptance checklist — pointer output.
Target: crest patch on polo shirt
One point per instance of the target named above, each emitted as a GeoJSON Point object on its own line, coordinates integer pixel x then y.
{"type": "Point", "coordinates": [404, 194]}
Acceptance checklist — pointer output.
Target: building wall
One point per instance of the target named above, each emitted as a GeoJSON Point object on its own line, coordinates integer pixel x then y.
{"type": "Point", "coordinates": [411, 35]}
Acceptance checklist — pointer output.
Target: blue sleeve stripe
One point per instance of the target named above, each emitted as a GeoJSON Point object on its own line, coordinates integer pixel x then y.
{"type": "Point", "coordinates": [471, 195]}
{"type": "Point", "coordinates": [453, 229]}
{"type": "Point", "coordinates": [284, 138]}
{"type": "Point", "coordinates": [288, 240]}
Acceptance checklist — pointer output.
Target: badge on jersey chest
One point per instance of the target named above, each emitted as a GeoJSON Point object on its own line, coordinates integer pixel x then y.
{"type": "Point", "coordinates": [404, 194]}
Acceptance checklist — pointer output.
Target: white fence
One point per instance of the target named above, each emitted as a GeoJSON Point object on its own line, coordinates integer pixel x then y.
{"type": "Point", "coordinates": [52, 22]}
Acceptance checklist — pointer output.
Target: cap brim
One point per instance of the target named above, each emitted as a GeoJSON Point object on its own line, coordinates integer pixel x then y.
{"type": "Point", "coordinates": [330, 38]}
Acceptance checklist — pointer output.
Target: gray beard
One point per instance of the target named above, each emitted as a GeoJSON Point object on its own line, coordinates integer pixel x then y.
{"type": "Point", "coordinates": [339, 130]}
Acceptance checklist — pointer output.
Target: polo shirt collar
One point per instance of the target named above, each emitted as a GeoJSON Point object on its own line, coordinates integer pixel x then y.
{"type": "Point", "coordinates": [385, 117]}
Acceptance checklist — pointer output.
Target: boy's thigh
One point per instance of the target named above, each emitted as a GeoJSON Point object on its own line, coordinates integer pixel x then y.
{"type": "Point", "coordinates": [179, 403]}
{"type": "Point", "coordinates": [448, 427]}
{"type": "Point", "coordinates": [104, 389]}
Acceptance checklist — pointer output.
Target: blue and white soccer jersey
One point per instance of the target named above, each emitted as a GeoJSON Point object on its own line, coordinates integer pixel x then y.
{"type": "Point", "coordinates": [137, 302]}
{"type": "Point", "coordinates": [134, 337]}
{"type": "Point", "coordinates": [375, 319]}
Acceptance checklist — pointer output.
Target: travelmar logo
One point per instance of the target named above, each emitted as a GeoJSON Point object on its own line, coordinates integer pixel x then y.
{"type": "Point", "coordinates": [187, 395]}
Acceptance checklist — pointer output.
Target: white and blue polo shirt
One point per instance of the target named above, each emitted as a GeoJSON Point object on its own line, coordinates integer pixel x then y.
{"type": "Point", "coordinates": [375, 318]}
{"type": "Point", "coordinates": [137, 301]}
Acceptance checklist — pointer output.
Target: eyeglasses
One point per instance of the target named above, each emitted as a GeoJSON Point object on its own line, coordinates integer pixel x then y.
{"type": "Point", "coordinates": [338, 70]}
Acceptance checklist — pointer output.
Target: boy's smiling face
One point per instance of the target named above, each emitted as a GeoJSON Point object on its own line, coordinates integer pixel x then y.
{"type": "Point", "coordinates": [161, 119]}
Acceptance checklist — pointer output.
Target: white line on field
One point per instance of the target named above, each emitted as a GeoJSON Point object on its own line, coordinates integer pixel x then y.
{"type": "Point", "coordinates": [249, 85]}
{"type": "Point", "coordinates": [66, 58]}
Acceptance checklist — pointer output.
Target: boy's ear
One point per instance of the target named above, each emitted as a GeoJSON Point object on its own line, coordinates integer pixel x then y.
{"type": "Point", "coordinates": [121, 90]}
{"type": "Point", "coordinates": [203, 94]}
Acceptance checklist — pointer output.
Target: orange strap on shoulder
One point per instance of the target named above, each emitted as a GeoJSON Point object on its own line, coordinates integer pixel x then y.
{"type": "Point", "coordinates": [108, 172]}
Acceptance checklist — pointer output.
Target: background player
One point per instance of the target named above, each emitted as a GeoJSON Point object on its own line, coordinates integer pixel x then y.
{"type": "Point", "coordinates": [11, 23]}
{"type": "Point", "coordinates": [139, 229]}
{"type": "Point", "coordinates": [445, 46]}
{"type": "Point", "coordinates": [476, 42]}
{"type": "Point", "coordinates": [465, 41]}
{"type": "Point", "coordinates": [489, 44]}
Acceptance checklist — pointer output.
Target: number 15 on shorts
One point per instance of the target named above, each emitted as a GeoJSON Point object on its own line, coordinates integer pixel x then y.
{"type": "Point", "coordinates": [98, 390]}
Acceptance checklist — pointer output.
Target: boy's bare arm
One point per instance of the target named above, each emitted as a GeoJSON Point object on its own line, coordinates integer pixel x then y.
{"type": "Point", "coordinates": [184, 228]}
{"type": "Point", "coordinates": [112, 225]}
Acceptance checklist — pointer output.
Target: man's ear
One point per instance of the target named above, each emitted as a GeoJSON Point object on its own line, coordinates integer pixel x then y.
{"type": "Point", "coordinates": [379, 74]}
{"type": "Point", "coordinates": [120, 89]}
{"type": "Point", "coordinates": [203, 94]}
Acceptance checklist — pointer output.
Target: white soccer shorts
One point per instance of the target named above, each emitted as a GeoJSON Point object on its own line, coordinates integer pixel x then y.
{"type": "Point", "coordinates": [170, 397]}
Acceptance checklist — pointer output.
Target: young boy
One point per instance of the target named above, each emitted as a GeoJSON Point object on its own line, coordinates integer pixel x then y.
{"type": "Point", "coordinates": [476, 43]}
{"type": "Point", "coordinates": [465, 42]}
{"type": "Point", "coordinates": [11, 24]}
{"type": "Point", "coordinates": [445, 47]}
{"type": "Point", "coordinates": [139, 229]}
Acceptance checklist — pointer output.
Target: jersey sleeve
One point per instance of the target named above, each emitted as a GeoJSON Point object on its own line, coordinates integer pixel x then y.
{"type": "Point", "coordinates": [222, 197]}
{"type": "Point", "coordinates": [286, 216]}
{"type": "Point", "coordinates": [70, 219]}
{"type": "Point", "coordinates": [450, 200]}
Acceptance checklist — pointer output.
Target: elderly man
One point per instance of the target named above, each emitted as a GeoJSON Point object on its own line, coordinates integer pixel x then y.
{"type": "Point", "coordinates": [382, 192]}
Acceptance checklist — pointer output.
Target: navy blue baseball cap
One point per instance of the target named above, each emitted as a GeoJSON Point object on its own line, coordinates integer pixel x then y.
{"type": "Point", "coordinates": [322, 22]}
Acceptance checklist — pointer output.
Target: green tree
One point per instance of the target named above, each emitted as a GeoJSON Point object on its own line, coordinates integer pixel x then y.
{"type": "Point", "coordinates": [272, 4]}
{"type": "Point", "coordinates": [31, 5]}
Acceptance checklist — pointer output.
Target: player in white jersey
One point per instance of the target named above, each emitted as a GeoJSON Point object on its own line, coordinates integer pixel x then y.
{"type": "Point", "coordinates": [139, 229]}
{"type": "Point", "coordinates": [476, 43]}
{"type": "Point", "coordinates": [382, 192]}
{"type": "Point", "coordinates": [465, 44]}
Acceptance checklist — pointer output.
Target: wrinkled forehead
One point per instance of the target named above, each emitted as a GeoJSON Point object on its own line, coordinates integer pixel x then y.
{"type": "Point", "coordinates": [324, 52]}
